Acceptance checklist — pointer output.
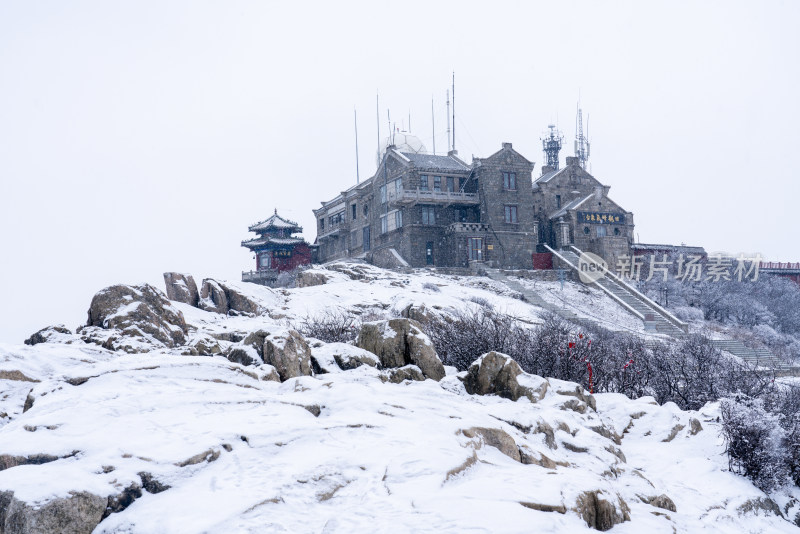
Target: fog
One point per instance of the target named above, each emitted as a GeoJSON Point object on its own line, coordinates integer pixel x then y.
{"type": "Point", "coordinates": [143, 137]}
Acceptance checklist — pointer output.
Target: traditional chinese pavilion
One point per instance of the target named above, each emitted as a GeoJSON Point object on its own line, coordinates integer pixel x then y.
{"type": "Point", "coordinates": [276, 249]}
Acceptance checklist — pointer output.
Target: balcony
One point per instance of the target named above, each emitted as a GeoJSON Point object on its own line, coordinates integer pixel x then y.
{"type": "Point", "coordinates": [409, 197]}
{"type": "Point", "coordinates": [466, 227]}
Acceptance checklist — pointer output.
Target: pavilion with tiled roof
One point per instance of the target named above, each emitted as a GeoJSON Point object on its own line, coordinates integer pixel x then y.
{"type": "Point", "coordinates": [276, 248]}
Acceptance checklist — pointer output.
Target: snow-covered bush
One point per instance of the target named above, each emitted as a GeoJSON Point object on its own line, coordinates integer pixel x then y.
{"type": "Point", "coordinates": [431, 287]}
{"type": "Point", "coordinates": [688, 372]}
{"type": "Point", "coordinates": [330, 326]}
{"type": "Point", "coordinates": [755, 442]}
{"type": "Point", "coordinates": [688, 314]}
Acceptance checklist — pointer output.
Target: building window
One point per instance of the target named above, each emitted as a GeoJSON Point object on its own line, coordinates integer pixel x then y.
{"type": "Point", "coordinates": [423, 182]}
{"type": "Point", "coordinates": [558, 201]}
{"type": "Point", "coordinates": [366, 210]}
{"type": "Point", "coordinates": [398, 187]}
{"type": "Point", "coordinates": [461, 213]}
{"type": "Point", "coordinates": [322, 224]}
{"type": "Point", "coordinates": [616, 231]}
{"type": "Point", "coordinates": [586, 230]}
{"type": "Point", "coordinates": [601, 231]}
{"type": "Point", "coordinates": [355, 211]}
{"type": "Point", "coordinates": [451, 184]}
{"type": "Point", "coordinates": [383, 194]}
{"type": "Point", "coordinates": [384, 224]}
{"type": "Point", "coordinates": [398, 219]}
{"type": "Point", "coordinates": [437, 183]}
{"type": "Point", "coordinates": [510, 181]}
{"type": "Point", "coordinates": [511, 214]}
{"type": "Point", "coordinates": [428, 215]}
{"type": "Point", "coordinates": [475, 248]}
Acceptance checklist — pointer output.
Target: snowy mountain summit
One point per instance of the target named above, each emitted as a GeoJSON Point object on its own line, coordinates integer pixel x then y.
{"type": "Point", "coordinates": [326, 408]}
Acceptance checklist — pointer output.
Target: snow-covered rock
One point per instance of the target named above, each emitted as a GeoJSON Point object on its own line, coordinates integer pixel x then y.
{"type": "Point", "coordinates": [401, 342]}
{"type": "Point", "coordinates": [139, 312]}
{"type": "Point", "coordinates": [181, 288]}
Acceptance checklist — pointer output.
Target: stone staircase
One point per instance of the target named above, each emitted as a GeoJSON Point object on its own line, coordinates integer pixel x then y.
{"type": "Point", "coordinates": [659, 321]}
{"type": "Point", "coordinates": [656, 320]}
{"type": "Point", "coordinates": [757, 357]}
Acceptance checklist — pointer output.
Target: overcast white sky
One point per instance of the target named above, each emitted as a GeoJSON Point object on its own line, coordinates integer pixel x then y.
{"type": "Point", "coordinates": [141, 137]}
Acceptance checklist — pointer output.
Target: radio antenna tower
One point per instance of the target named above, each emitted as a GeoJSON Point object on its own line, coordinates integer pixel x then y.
{"type": "Point", "coordinates": [551, 144]}
{"type": "Point", "coordinates": [582, 146]}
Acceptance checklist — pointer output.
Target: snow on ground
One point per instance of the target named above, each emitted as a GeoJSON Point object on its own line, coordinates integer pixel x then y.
{"type": "Point", "coordinates": [587, 303]}
{"type": "Point", "coordinates": [378, 457]}
{"type": "Point", "coordinates": [346, 452]}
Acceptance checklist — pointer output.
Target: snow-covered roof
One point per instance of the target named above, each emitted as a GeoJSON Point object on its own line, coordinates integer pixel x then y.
{"type": "Point", "coordinates": [277, 222]}
{"type": "Point", "coordinates": [571, 206]}
{"type": "Point", "coordinates": [429, 162]}
{"type": "Point", "coordinates": [548, 176]}
{"type": "Point", "coordinates": [261, 241]}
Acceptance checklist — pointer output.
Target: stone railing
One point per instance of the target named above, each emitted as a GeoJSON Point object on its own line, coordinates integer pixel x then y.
{"type": "Point", "coordinates": [413, 196]}
{"type": "Point", "coordinates": [468, 227]}
{"type": "Point", "coordinates": [259, 276]}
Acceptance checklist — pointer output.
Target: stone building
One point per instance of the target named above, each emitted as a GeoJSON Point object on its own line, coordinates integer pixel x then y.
{"type": "Point", "coordinates": [420, 209]}
{"type": "Point", "coordinates": [276, 249]}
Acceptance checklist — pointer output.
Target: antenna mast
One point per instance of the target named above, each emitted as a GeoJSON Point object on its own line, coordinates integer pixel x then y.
{"type": "Point", "coordinates": [378, 120]}
{"type": "Point", "coordinates": [552, 145]}
{"type": "Point", "coordinates": [454, 111]}
{"type": "Point", "coordinates": [355, 122]}
{"type": "Point", "coordinates": [448, 119]}
{"type": "Point", "coordinates": [582, 146]}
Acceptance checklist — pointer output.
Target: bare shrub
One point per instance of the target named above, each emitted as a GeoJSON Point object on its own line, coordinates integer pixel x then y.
{"type": "Point", "coordinates": [481, 301]}
{"type": "Point", "coordinates": [330, 326]}
{"type": "Point", "coordinates": [431, 287]}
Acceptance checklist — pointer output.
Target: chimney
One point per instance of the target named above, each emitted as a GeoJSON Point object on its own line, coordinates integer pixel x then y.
{"type": "Point", "coordinates": [572, 160]}
{"type": "Point", "coordinates": [546, 169]}
{"type": "Point", "coordinates": [507, 145]}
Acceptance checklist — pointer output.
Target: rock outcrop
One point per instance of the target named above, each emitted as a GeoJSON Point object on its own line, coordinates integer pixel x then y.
{"type": "Point", "coordinates": [181, 288]}
{"type": "Point", "coordinates": [51, 334]}
{"type": "Point", "coordinates": [138, 311]}
{"type": "Point", "coordinates": [286, 350]}
{"type": "Point", "coordinates": [79, 513]}
{"type": "Point", "coordinates": [220, 297]}
{"type": "Point", "coordinates": [600, 510]}
{"type": "Point", "coordinates": [498, 374]}
{"type": "Point", "coordinates": [400, 342]}
{"type": "Point", "coordinates": [310, 278]}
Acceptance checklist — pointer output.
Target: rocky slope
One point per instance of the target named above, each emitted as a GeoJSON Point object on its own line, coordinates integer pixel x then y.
{"type": "Point", "coordinates": [169, 416]}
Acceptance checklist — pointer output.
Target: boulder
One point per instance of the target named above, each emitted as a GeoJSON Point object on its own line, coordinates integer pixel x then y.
{"type": "Point", "coordinates": [213, 297]}
{"type": "Point", "coordinates": [600, 510]}
{"type": "Point", "coordinates": [335, 357]}
{"type": "Point", "coordinates": [79, 513]}
{"type": "Point", "coordinates": [571, 389]}
{"type": "Point", "coordinates": [498, 374]}
{"type": "Point", "coordinates": [289, 353]}
{"type": "Point", "coordinates": [497, 438]}
{"type": "Point", "coordinates": [224, 298]}
{"type": "Point", "coordinates": [249, 351]}
{"type": "Point", "coordinates": [51, 334]}
{"type": "Point", "coordinates": [397, 375]}
{"type": "Point", "coordinates": [138, 311]}
{"type": "Point", "coordinates": [400, 342]}
{"type": "Point", "coordinates": [181, 288]}
{"type": "Point", "coordinates": [310, 278]}
{"type": "Point", "coordinates": [204, 345]}
{"type": "Point", "coordinates": [661, 501]}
